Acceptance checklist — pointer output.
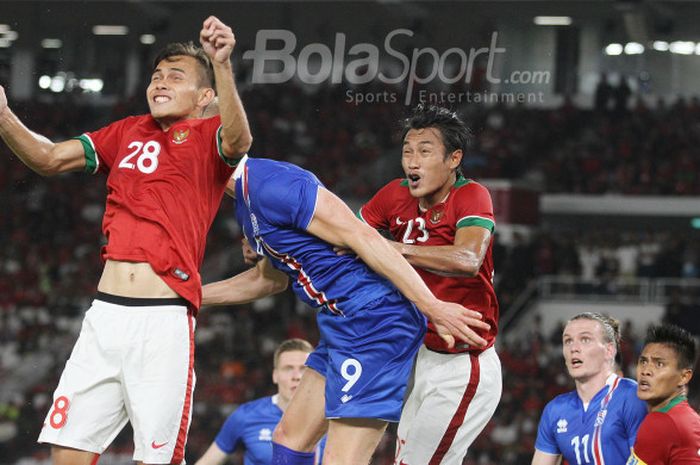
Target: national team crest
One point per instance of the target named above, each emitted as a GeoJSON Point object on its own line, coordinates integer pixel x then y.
{"type": "Point", "coordinates": [436, 214]}
{"type": "Point", "coordinates": [180, 135]}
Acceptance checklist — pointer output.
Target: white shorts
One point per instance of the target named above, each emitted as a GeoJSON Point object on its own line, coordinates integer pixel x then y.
{"type": "Point", "coordinates": [450, 399]}
{"type": "Point", "coordinates": [131, 363]}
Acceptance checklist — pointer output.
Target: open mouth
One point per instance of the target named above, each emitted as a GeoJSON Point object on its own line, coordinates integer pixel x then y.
{"type": "Point", "coordinates": [644, 385]}
{"type": "Point", "coordinates": [576, 362]}
{"type": "Point", "coordinates": [413, 180]}
{"type": "Point", "coordinates": [161, 99]}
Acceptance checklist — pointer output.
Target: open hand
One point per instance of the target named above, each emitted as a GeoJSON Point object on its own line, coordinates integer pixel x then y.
{"type": "Point", "coordinates": [452, 321]}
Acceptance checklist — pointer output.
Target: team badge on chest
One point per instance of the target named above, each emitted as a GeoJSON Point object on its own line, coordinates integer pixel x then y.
{"type": "Point", "coordinates": [437, 213]}
{"type": "Point", "coordinates": [180, 135]}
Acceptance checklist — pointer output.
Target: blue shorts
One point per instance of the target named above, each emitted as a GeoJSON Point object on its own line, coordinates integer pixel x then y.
{"type": "Point", "coordinates": [367, 357]}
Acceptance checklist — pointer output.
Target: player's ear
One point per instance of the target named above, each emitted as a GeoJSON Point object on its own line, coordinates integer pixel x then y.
{"type": "Point", "coordinates": [686, 376]}
{"type": "Point", "coordinates": [206, 96]}
{"type": "Point", "coordinates": [455, 158]}
{"type": "Point", "coordinates": [274, 376]}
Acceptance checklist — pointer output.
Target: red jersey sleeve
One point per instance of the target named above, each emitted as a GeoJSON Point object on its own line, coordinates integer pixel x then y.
{"type": "Point", "coordinates": [101, 146]}
{"type": "Point", "coordinates": [655, 437]}
{"type": "Point", "coordinates": [474, 206]}
{"type": "Point", "coordinates": [376, 212]}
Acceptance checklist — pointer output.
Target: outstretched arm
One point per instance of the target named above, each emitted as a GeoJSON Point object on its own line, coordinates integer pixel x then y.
{"type": "Point", "coordinates": [250, 285]}
{"type": "Point", "coordinates": [36, 151]}
{"type": "Point", "coordinates": [218, 41]}
{"type": "Point", "coordinates": [335, 223]}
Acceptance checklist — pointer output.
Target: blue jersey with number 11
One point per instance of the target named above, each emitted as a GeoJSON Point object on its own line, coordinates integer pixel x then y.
{"type": "Point", "coordinates": [602, 434]}
{"type": "Point", "coordinates": [275, 202]}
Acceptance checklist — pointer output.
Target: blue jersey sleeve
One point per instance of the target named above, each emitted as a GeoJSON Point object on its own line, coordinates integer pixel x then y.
{"type": "Point", "coordinates": [291, 203]}
{"type": "Point", "coordinates": [545, 434]}
{"type": "Point", "coordinates": [635, 411]}
{"type": "Point", "coordinates": [231, 432]}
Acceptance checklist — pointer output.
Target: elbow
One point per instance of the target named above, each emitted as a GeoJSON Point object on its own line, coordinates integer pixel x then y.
{"type": "Point", "coordinates": [238, 147]}
{"type": "Point", "coordinates": [279, 285]}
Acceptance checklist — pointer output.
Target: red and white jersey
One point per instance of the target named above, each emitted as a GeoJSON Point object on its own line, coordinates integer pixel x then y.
{"type": "Point", "coordinates": [163, 191]}
{"type": "Point", "coordinates": [468, 204]}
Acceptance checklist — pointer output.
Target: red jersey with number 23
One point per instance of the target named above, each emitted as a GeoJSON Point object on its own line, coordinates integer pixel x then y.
{"type": "Point", "coordinates": [393, 208]}
{"type": "Point", "coordinates": [163, 191]}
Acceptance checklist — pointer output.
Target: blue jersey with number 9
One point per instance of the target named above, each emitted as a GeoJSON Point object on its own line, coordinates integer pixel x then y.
{"type": "Point", "coordinates": [369, 331]}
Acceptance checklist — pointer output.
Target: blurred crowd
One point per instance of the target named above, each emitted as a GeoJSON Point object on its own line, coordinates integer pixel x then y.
{"type": "Point", "coordinates": [51, 227]}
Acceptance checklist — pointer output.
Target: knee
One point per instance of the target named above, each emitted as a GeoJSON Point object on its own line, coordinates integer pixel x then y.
{"type": "Point", "coordinates": [282, 434]}
{"type": "Point", "coordinates": [292, 438]}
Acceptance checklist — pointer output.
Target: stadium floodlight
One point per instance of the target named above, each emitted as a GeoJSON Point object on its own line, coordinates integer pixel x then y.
{"type": "Point", "coordinates": [614, 49]}
{"type": "Point", "coordinates": [552, 20]}
{"type": "Point", "coordinates": [660, 45]}
{"type": "Point", "coordinates": [58, 83]}
{"type": "Point", "coordinates": [697, 48]}
{"type": "Point", "coordinates": [110, 30]}
{"type": "Point", "coordinates": [634, 48]}
{"type": "Point", "coordinates": [4, 43]}
{"type": "Point", "coordinates": [682, 47]}
{"type": "Point", "coordinates": [5, 28]}
{"type": "Point", "coordinates": [10, 35]}
{"type": "Point", "coordinates": [91, 85]}
{"type": "Point", "coordinates": [51, 43]}
{"type": "Point", "coordinates": [147, 39]}
{"type": "Point", "coordinates": [45, 82]}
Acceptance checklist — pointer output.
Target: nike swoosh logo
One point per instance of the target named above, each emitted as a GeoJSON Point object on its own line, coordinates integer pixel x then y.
{"type": "Point", "coordinates": [158, 446]}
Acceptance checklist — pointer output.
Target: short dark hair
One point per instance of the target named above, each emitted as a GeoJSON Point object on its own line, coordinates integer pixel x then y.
{"type": "Point", "coordinates": [291, 345]}
{"type": "Point", "coordinates": [454, 132]}
{"type": "Point", "coordinates": [188, 49]}
{"type": "Point", "coordinates": [678, 339]}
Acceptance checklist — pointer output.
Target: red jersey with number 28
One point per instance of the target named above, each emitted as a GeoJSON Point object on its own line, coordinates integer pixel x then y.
{"type": "Point", "coordinates": [393, 208]}
{"type": "Point", "coordinates": [163, 191]}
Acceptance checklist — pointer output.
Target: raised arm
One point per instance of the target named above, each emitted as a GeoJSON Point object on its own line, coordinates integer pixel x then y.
{"type": "Point", "coordinates": [463, 258]}
{"type": "Point", "coordinates": [36, 151]}
{"type": "Point", "coordinates": [335, 223]}
{"type": "Point", "coordinates": [217, 40]}
{"type": "Point", "coordinates": [250, 285]}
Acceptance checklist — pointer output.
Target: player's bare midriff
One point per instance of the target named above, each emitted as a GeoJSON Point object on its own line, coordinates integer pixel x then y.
{"type": "Point", "coordinates": [129, 279]}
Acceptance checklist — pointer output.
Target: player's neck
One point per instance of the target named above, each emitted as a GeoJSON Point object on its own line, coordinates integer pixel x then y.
{"type": "Point", "coordinates": [439, 196]}
{"type": "Point", "coordinates": [587, 388]}
{"type": "Point", "coordinates": [675, 398]}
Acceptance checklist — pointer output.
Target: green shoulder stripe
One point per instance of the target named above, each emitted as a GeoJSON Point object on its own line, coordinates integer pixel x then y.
{"type": "Point", "coordinates": [232, 162]}
{"type": "Point", "coordinates": [476, 221]}
{"type": "Point", "coordinates": [462, 181]}
{"type": "Point", "coordinates": [358, 214]}
{"type": "Point", "coordinates": [92, 161]}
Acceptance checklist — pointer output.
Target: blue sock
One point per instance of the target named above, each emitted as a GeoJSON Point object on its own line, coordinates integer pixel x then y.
{"type": "Point", "coordinates": [284, 456]}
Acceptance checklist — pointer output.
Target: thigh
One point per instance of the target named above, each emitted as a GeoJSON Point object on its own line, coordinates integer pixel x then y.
{"type": "Point", "coordinates": [459, 394]}
{"type": "Point", "coordinates": [65, 456]}
{"type": "Point", "coordinates": [87, 411]}
{"type": "Point", "coordinates": [352, 441]}
{"type": "Point", "coordinates": [303, 423]}
{"type": "Point", "coordinates": [159, 380]}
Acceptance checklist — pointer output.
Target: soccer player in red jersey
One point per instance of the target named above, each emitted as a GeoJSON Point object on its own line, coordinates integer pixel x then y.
{"type": "Point", "coordinates": [166, 174]}
{"type": "Point", "coordinates": [670, 433]}
{"type": "Point", "coordinates": [442, 224]}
